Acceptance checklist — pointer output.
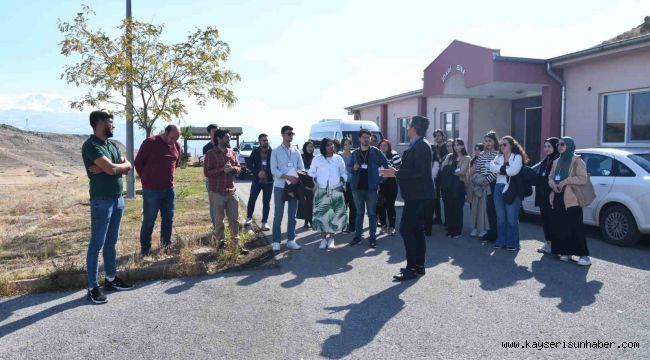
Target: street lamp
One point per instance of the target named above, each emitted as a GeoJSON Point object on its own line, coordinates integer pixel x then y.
{"type": "Point", "coordinates": [130, 180]}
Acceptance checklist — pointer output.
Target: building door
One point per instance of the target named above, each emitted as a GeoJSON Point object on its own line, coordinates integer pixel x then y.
{"type": "Point", "coordinates": [532, 133]}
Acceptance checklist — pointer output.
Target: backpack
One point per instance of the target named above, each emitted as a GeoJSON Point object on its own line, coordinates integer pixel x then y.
{"type": "Point", "coordinates": [528, 180]}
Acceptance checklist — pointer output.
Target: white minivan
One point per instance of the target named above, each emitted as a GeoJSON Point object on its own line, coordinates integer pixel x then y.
{"type": "Point", "coordinates": [338, 129]}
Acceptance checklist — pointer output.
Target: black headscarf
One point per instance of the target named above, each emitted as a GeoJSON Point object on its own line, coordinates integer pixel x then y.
{"type": "Point", "coordinates": [548, 162]}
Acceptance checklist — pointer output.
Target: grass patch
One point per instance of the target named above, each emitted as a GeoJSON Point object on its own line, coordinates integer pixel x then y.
{"type": "Point", "coordinates": [44, 232]}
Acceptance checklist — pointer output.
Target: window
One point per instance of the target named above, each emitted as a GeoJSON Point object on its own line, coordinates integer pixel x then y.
{"type": "Point", "coordinates": [626, 117]}
{"type": "Point", "coordinates": [624, 171]}
{"type": "Point", "coordinates": [598, 165]}
{"type": "Point", "coordinates": [449, 122]}
{"type": "Point", "coordinates": [643, 160]}
{"type": "Point", "coordinates": [403, 127]}
{"type": "Point", "coordinates": [640, 117]}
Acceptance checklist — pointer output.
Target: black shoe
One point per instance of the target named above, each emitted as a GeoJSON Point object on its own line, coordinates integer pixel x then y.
{"type": "Point", "coordinates": [117, 285]}
{"type": "Point", "coordinates": [243, 251]}
{"type": "Point", "coordinates": [372, 243]}
{"type": "Point", "coordinates": [437, 221]}
{"type": "Point", "coordinates": [405, 275]}
{"type": "Point", "coordinates": [354, 241]}
{"type": "Point", "coordinates": [418, 270]}
{"type": "Point", "coordinates": [145, 252]}
{"type": "Point", "coordinates": [97, 296]}
{"type": "Point", "coordinates": [512, 248]}
{"type": "Point", "coordinates": [222, 244]}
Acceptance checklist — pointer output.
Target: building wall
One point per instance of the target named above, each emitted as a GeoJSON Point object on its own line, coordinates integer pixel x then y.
{"type": "Point", "coordinates": [371, 113]}
{"type": "Point", "coordinates": [438, 105]}
{"type": "Point", "coordinates": [399, 109]}
{"type": "Point", "coordinates": [491, 114]}
{"type": "Point", "coordinates": [583, 119]}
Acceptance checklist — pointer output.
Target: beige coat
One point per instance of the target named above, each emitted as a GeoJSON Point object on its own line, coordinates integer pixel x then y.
{"type": "Point", "coordinates": [577, 176]}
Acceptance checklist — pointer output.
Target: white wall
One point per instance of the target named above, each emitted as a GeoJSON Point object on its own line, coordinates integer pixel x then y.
{"type": "Point", "coordinates": [372, 113]}
{"type": "Point", "coordinates": [583, 106]}
{"type": "Point", "coordinates": [399, 109]}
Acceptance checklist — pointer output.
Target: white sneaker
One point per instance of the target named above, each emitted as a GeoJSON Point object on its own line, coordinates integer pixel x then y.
{"type": "Point", "coordinates": [330, 244]}
{"type": "Point", "coordinates": [275, 246]}
{"type": "Point", "coordinates": [474, 233]}
{"type": "Point", "coordinates": [293, 245]}
{"type": "Point", "coordinates": [323, 244]}
{"type": "Point", "coordinates": [382, 230]}
{"type": "Point", "coordinates": [265, 227]}
{"type": "Point", "coordinates": [584, 261]}
{"type": "Point", "coordinates": [565, 257]}
{"type": "Point", "coordinates": [482, 233]}
{"type": "Point", "coordinates": [248, 222]}
{"type": "Point", "coordinates": [391, 231]}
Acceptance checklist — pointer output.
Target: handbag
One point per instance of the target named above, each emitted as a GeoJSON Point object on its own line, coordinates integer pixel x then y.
{"type": "Point", "coordinates": [585, 194]}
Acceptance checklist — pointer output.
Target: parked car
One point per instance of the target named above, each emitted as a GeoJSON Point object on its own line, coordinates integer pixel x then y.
{"type": "Point", "coordinates": [621, 179]}
{"type": "Point", "coordinates": [336, 129]}
{"type": "Point", "coordinates": [243, 153]}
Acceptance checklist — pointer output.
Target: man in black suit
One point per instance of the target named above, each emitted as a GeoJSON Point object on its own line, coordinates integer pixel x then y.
{"type": "Point", "coordinates": [417, 189]}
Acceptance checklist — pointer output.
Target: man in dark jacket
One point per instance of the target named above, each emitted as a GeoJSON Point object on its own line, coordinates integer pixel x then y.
{"type": "Point", "coordinates": [260, 166]}
{"type": "Point", "coordinates": [416, 186]}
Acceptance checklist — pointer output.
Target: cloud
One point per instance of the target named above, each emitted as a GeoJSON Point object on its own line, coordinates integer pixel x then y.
{"type": "Point", "coordinates": [34, 102]}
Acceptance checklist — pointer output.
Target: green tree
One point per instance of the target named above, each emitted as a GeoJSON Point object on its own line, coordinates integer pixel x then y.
{"type": "Point", "coordinates": [164, 76]}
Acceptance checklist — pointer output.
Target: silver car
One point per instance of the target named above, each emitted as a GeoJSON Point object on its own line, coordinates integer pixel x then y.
{"type": "Point", "coordinates": [621, 179]}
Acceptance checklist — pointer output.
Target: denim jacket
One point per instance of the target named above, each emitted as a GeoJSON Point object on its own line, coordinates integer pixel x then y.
{"type": "Point", "coordinates": [375, 160]}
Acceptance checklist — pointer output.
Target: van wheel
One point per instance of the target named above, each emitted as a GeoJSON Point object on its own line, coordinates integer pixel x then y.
{"type": "Point", "coordinates": [618, 226]}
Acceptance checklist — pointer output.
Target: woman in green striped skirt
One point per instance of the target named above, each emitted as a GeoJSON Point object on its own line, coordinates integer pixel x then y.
{"type": "Point", "coordinates": [329, 173]}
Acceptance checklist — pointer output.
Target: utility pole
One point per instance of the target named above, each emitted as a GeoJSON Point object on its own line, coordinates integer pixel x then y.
{"type": "Point", "coordinates": [130, 180]}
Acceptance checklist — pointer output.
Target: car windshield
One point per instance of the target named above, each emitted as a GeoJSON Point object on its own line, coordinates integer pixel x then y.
{"type": "Point", "coordinates": [643, 160]}
{"type": "Point", "coordinates": [245, 147]}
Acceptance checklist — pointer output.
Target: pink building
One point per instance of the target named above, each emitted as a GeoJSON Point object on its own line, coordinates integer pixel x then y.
{"type": "Point", "coordinates": [469, 90]}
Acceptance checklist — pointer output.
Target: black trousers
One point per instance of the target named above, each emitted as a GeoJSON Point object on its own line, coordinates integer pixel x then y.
{"type": "Point", "coordinates": [456, 205]}
{"type": "Point", "coordinates": [352, 210]}
{"type": "Point", "coordinates": [412, 230]}
{"type": "Point", "coordinates": [436, 204]}
{"type": "Point", "coordinates": [492, 215]}
{"type": "Point", "coordinates": [569, 231]}
{"type": "Point", "coordinates": [386, 204]}
{"type": "Point", "coordinates": [547, 221]}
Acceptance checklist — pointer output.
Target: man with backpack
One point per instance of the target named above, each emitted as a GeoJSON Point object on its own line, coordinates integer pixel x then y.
{"type": "Point", "coordinates": [364, 183]}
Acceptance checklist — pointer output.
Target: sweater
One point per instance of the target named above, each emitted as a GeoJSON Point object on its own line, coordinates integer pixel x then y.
{"type": "Point", "coordinates": [577, 176]}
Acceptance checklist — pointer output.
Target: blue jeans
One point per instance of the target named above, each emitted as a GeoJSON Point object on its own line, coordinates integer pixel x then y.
{"type": "Point", "coordinates": [105, 217]}
{"type": "Point", "coordinates": [209, 204]}
{"type": "Point", "coordinates": [279, 212]}
{"type": "Point", "coordinates": [365, 199]}
{"type": "Point", "coordinates": [507, 218]}
{"type": "Point", "coordinates": [152, 202]}
{"type": "Point", "coordinates": [267, 190]}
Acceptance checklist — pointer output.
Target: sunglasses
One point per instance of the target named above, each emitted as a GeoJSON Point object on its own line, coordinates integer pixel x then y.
{"type": "Point", "coordinates": [561, 144]}
{"type": "Point", "coordinates": [503, 145]}
{"type": "Point", "coordinates": [290, 133]}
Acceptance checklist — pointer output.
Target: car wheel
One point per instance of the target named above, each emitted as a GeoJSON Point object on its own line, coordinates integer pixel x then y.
{"type": "Point", "coordinates": [618, 226]}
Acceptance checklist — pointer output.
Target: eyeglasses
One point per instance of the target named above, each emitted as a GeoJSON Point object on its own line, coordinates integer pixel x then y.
{"type": "Point", "coordinates": [290, 133]}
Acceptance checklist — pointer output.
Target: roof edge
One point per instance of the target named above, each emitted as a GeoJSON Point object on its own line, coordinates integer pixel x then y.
{"type": "Point", "coordinates": [402, 96]}
{"type": "Point", "coordinates": [601, 48]}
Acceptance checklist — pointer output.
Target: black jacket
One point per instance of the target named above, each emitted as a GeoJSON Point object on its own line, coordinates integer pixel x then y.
{"type": "Point", "coordinates": [254, 163]}
{"type": "Point", "coordinates": [542, 190]}
{"type": "Point", "coordinates": [414, 176]}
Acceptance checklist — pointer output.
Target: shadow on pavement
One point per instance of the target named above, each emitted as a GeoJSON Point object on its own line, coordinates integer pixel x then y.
{"type": "Point", "coordinates": [565, 281]}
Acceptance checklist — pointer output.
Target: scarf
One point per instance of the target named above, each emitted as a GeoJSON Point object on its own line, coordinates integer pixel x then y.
{"type": "Point", "coordinates": [564, 163]}
{"type": "Point", "coordinates": [548, 162]}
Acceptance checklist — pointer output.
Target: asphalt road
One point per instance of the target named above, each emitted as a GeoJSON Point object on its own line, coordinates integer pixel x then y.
{"type": "Point", "coordinates": [342, 304]}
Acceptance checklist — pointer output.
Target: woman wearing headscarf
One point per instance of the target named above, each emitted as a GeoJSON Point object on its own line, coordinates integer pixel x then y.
{"type": "Point", "coordinates": [542, 191]}
{"type": "Point", "coordinates": [569, 234]}
{"type": "Point", "coordinates": [306, 201]}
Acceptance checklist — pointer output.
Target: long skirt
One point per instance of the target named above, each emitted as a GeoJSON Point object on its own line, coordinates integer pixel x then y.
{"type": "Point", "coordinates": [568, 230]}
{"type": "Point", "coordinates": [330, 215]}
{"type": "Point", "coordinates": [480, 219]}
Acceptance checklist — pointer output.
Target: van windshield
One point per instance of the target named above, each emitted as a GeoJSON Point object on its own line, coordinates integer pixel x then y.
{"type": "Point", "coordinates": [354, 136]}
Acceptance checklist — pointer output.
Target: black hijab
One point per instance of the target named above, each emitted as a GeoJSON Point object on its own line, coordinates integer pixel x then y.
{"type": "Point", "coordinates": [548, 162]}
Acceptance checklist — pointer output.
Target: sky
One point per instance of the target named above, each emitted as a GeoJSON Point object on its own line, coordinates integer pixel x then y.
{"type": "Point", "coordinates": [300, 61]}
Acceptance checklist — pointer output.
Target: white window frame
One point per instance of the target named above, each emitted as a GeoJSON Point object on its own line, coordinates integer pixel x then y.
{"type": "Point", "coordinates": [443, 115]}
{"type": "Point", "coordinates": [399, 130]}
{"type": "Point", "coordinates": [628, 118]}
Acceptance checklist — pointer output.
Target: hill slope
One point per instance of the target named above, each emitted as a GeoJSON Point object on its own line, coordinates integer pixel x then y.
{"type": "Point", "coordinates": [25, 155]}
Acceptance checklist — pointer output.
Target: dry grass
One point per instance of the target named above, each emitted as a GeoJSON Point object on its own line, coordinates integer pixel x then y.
{"type": "Point", "coordinates": [44, 229]}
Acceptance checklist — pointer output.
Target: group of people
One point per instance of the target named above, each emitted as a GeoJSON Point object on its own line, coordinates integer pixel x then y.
{"type": "Point", "coordinates": [333, 191]}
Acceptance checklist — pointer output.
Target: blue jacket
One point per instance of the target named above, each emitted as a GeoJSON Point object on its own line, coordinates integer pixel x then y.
{"type": "Point", "coordinates": [375, 160]}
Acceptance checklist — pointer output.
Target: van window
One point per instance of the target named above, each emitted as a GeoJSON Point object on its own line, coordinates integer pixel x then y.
{"type": "Point", "coordinates": [354, 136]}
